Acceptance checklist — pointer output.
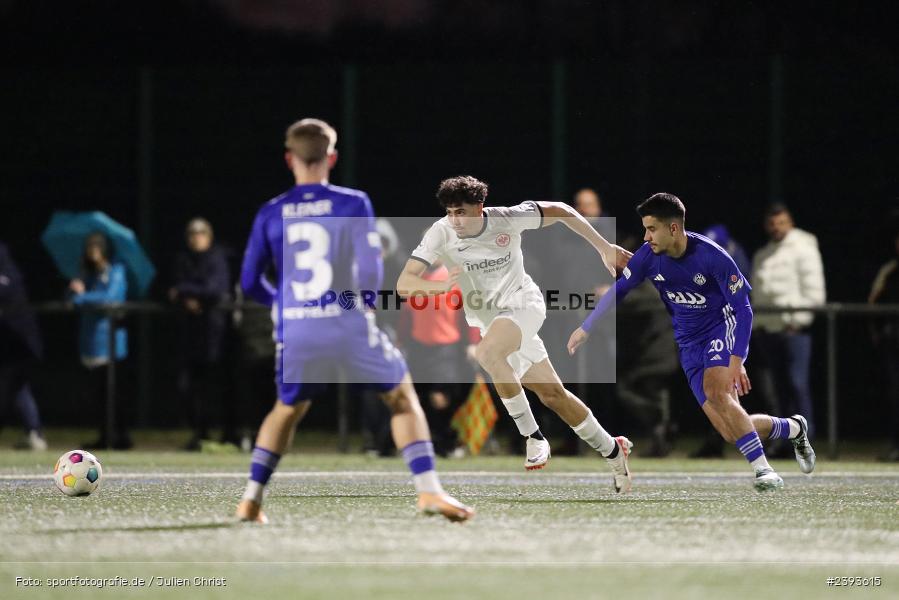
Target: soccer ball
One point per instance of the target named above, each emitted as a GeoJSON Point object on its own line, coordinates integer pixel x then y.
{"type": "Point", "coordinates": [77, 473]}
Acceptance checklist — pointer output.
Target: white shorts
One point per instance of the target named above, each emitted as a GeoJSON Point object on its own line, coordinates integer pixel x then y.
{"type": "Point", "coordinates": [529, 319]}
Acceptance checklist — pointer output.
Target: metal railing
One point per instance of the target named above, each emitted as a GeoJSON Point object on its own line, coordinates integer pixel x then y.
{"type": "Point", "coordinates": [117, 312]}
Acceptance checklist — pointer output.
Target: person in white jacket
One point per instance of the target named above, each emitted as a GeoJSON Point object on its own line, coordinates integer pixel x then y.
{"type": "Point", "coordinates": [788, 272]}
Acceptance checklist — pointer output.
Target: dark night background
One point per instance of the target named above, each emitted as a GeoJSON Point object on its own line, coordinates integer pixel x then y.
{"type": "Point", "coordinates": [159, 111]}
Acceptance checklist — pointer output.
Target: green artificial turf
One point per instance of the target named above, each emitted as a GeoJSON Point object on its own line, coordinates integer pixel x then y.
{"type": "Point", "coordinates": [345, 526]}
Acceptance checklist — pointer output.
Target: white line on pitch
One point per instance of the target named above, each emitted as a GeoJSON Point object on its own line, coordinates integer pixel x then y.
{"type": "Point", "coordinates": [472, 474]}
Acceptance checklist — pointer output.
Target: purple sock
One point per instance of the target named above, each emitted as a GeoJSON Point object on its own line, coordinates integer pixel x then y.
{"type": "Point", "coordinates": [780, 429]}
{"type": "Point", "coordinates": [419, 456]}
{"type": "Point", "coordinates": [750, 446]}
{"type": "Point", "coordinates": [264, 463]}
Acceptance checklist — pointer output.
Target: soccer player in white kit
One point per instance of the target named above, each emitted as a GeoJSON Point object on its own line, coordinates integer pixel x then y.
{"type": "Point", "coordinates": [482, 247]}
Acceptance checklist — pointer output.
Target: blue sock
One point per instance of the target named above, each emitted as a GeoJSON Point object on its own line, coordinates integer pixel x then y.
{"type": "Point", "coordinates": [263, 465]}
{"type": "Point", "coordinates": [780, 429]}
{"type": "Point", "coordinates": [751, 447]}
{"type": "Point", "coordinates": [419, 457]}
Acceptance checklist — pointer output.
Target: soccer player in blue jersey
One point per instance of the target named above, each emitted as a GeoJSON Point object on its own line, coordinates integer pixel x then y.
{"type": "Point", "coordinates": [708, 300]}
{"type": "Point", "coordinates": [331, 246]}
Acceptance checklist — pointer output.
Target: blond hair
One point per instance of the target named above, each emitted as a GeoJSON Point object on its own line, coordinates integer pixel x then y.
{"type": "Point", "coordinates": [310, 140]}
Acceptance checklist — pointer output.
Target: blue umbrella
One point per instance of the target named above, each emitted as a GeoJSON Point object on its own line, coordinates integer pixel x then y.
{"type": "Point", "coordinates": [64, 240]}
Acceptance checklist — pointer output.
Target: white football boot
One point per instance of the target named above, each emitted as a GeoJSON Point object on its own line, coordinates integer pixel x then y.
{"type": "Point", "coordinates": [766, 480]}
{"type": "Point", "coordinates": [621, 473]}
{"type": "Point", "coordinates": [537, 454]}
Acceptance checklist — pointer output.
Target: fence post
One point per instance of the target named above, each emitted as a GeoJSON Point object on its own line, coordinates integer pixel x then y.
{"type": "Point", "coordinates": [559, 117]}
{"type": "Point", "coordinates": [775, 128]}
{"type": "Point", "coordinates": [110, 377]}
{"type": "Point", "coordinates": [348, 127]}
{"type": "Point", "coordinates": [348, 177]}
{"type": "Point", "coordinates": [145, 150]}
{"type": "Point", "coordinates": [832, 381]}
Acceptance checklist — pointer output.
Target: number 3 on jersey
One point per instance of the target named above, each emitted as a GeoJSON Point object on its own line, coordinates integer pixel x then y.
{"type": "Point", "coordinates": [312, 259]}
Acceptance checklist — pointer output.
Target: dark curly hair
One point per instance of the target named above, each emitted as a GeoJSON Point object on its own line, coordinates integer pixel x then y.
{"type": "Point", "coordinates": [462, 189]}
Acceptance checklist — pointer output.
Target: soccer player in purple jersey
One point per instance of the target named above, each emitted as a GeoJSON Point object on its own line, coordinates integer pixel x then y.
{"type": "Point", "coordinates": [708, 300]}
{"type": "Point", "coordinates": [332, 246]}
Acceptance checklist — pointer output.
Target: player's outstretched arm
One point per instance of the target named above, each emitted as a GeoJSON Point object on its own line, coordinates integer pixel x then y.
{"type": "Point", "coordinates": [411, 282]}
{"type": "Point", "coordinates": [614, 257]}
{"type": "Point", "coordinates": [633, 275]}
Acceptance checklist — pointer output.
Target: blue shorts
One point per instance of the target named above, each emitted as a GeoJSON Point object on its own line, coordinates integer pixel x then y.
{"type": "Point", "coordinates": [351, 346]}
{"type": "Point", "coordinates": [715, 351]}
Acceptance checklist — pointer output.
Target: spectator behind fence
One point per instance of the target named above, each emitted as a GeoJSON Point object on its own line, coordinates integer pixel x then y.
{"type": "Point", "coordinates": [20, 346]}
{"type": "Point", "coordinates": [103, 281]}
{"type": "Point", "coordinates": [575, 277]}
{"type": "Point", "coordinates": [200, 284]}
{"type": "Point", "coordinates": [588, 203]}
{"type": "Point", "coordinates": [787, 272]}
{"type": "Point", "coordinates": [885, 290]}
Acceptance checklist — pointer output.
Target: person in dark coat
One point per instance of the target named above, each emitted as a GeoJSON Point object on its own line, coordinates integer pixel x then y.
{"type": "Point", "coordinates": [20, 346]}
{"type": "Point", "coordinates": [200, 284]}
{"type": "Point", "coordinates": [885, 334]}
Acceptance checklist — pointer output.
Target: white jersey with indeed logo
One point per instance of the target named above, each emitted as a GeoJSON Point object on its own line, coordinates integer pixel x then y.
{"type": "Point", "coordinates": [493, 278]}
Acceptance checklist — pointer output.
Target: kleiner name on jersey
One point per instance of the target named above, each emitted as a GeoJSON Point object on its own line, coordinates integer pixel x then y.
{"type": "Point", "coordinates": [306, 209]}
{"type": "Point", "coordinates": [489, 265]}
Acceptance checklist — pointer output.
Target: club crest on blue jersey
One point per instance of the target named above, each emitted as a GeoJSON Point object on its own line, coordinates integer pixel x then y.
{"type": "Point", "coordinates": [699, 279]}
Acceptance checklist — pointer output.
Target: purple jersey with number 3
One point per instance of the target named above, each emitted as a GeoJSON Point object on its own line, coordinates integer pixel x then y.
{"type": "Point", "coordinates": [319, 242]}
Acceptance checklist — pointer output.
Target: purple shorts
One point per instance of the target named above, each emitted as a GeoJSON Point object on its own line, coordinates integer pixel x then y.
{"type": "Point", "coordinates": [715, 351]}
{"type": "Point", "coordinates": [350, 347]}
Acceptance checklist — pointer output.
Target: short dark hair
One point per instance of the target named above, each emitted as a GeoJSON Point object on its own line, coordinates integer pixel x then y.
{"type": "Point", "coordinates": [664, 207]}
{"type": "Point", "coordinates": [776, 208]}
{"type": "Point", "coordinates": [461, 189]}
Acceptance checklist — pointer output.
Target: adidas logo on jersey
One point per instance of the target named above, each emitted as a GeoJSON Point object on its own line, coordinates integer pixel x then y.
{"type": "Point", "coordinates": [717, 357]}
{"type": "Point", "coordinates": [658, 278]}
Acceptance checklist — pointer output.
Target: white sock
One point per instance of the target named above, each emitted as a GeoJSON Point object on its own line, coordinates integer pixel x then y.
{"type": "Point", "coordinates": [427, 482]}
{"type": "Point", "coordinates": [794, 428]}
{"type": "Point", "coordinates": [254, 491]}
{"type": "Point", "coordinates": [760, 463]}
{"type": "Point", "coordinates": [520, 410]}
{"type": "Point", "coordinates": [592, 432]}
